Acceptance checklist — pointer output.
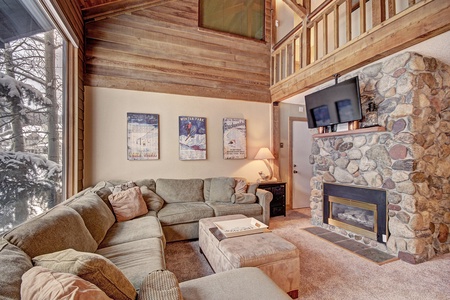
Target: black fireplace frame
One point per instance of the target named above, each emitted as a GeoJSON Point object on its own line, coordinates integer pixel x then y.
{"type": "Point", "coordinates": [362, 194]}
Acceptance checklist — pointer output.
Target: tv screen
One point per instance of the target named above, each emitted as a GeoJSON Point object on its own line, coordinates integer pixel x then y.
{"type": "Point", "coordinates": [336, 104]}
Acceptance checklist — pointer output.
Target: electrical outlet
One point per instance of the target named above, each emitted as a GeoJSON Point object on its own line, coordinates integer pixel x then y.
{"type": "Point", "coordinates": [300, 108]}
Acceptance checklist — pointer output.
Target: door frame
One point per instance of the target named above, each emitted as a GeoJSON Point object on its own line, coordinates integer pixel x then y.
{"type": "Point", "coordinates": [291, 160]}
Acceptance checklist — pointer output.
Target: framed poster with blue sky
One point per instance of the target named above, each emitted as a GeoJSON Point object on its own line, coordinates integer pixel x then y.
{"type": "Point", "coordinates": [192, 138]}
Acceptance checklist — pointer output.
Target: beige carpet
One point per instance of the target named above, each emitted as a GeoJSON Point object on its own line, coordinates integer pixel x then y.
{"type": "Point", "coordinates": [331, 272]}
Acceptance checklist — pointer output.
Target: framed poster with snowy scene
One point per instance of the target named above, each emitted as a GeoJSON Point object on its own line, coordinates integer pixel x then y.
{"type": "Point", "coordinates": [143, 136]}
{"type": "Point", "coordinates": [234, 138]}
{"type": "Point", "coordinates": [192, 138]}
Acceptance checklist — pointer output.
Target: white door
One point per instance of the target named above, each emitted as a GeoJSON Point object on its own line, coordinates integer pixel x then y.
{"type": "Point", "coordinates": [301, 149]}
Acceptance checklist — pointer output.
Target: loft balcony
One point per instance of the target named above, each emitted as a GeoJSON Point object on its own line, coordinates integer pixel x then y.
{"type": "Point", "coordinates": [343, 35]}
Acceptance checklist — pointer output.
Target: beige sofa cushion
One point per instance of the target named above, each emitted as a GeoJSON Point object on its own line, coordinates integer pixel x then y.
{"type": "Point", "coordinates": [179, 213]}
{"type": "Point", "coordinates": [219, 189]}
{"type": "Point", "coordinates": [243, 283]}
{"type": "Point", "coordinates": [136, 259]}
{"type": "Point", "coordinates": [223, 209]}
{"type": "Point", "coordinates": [150, 183]}
{"type": "Point", "coordinates": [96, 215]}
{"type": "Point", "coordinates": [180, 190]}
{"type": "Point", "coordinates": [133, 230]}
{"type": "Point", "coordinates": [13, 263]}
{"type": "Point", "coordinates": [91, 267]}
{"type": "Point", "coordinates": [57, 229]}
{"type": "Point", "coordinates": [42, 284]}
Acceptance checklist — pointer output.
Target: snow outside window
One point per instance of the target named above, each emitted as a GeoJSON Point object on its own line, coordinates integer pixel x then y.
{"type": "Point", "coordinates": [32, 97]}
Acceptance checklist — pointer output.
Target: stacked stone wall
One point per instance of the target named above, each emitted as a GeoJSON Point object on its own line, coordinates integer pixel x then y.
{"type": "Point", "coordinates": [410, 160]}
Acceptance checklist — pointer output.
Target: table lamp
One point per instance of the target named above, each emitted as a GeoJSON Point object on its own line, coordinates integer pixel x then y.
{"type": "Point", "coordinates": [265, 154]}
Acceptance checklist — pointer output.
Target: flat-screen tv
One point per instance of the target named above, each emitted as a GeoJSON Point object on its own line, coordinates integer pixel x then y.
{"type": "Point", "coordinates": [336, 104]}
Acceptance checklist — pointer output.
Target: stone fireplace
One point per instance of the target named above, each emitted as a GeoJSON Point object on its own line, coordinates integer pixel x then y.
{"type": "Point", "coordinates": [409, 161]}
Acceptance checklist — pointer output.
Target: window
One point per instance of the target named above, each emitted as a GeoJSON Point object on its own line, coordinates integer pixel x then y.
{"type": "Point", "coordinates": [32, 102]}
{"type": "Point", "coordinates": [241, 17]}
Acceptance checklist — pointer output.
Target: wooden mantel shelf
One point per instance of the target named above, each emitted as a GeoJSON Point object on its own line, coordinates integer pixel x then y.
{"type": "Point", "coordinates": [350, 132]}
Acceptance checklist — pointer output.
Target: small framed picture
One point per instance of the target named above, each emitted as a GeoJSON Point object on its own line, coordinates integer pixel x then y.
{"type": "Point", "coordinates": [143, 136]}
{"type": "Point", "coordinates": [234, 138]}
{"type": "Point", "coordinates": [192, 138]}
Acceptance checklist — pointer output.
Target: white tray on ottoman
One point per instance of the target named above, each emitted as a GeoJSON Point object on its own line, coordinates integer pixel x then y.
{"type": "Point", "coordinates": [275, 256]}
{"type": "Point", "coordinates": [238, 227]}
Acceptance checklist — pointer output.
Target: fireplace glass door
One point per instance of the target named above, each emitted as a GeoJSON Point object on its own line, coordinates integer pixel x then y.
{"type": "Point", "coordinates": [353, 215]}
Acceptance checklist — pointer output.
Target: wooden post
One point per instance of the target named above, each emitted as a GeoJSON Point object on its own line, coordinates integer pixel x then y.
{"type": "Point", "coordinates": [348, 20]}
{"type": "Point", "coordinates": [336, 27]}
{"type": "Point", "coordinates": [378, 12]}
{"type": "Point", "coordinates": [325, 34]}
{"type": "Point", "coordinates": [362, 18]}
{"type": "Point", "coordinates": [391, 8]}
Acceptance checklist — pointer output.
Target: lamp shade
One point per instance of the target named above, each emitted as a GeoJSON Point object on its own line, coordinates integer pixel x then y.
{"type": "Point", "coordinates": [264, 153]}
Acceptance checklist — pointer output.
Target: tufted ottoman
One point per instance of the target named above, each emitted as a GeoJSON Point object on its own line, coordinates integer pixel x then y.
{"type": "Point", "coordinates": [275, 256]}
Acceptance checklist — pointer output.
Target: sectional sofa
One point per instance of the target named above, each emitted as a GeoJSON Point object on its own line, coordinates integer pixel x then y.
{"type": "Point", "coordinates": [87, 237]}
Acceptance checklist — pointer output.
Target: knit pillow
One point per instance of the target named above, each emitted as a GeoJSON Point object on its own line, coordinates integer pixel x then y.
{"type": "Point", "coordinates": [160, 284]}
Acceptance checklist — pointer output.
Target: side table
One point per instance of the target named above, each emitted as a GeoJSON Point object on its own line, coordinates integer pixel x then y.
{"type": "Point", "coordinates": [278, 203]}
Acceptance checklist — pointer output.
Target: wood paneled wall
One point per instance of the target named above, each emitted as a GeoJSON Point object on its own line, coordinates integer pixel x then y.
{"type": "Point", "coordinates": [72, 13]}
{"type": "Point", "coordinates": [161, 49]}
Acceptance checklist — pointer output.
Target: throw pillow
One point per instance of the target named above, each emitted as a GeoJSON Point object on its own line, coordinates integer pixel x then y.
{"type": "Point", "coordinates": [160, 284]}
{"type": "Point", "coordinates": [128, 204]}
{"type": "Point", "coordinates": [91, 267]}
{"type": "Point", "coordinates": [252, 188]}
{"type": "Point", "coordinates": [241, 185]}
{"type": "Point", "coordinates": [243, 198]}
{"type": "Point", "coordinates": [122, 187]}
{"type": "Point", "coordinates": [153, 201]}
{"type": "Point", "coordinates": [40, 283]}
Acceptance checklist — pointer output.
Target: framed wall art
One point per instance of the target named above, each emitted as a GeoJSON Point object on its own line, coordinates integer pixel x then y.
{"type": "Point", "coordinates": [143, 136]}
{"type": "Point", "coordinates": [234, 138]}
{"type": "Point", "coordinates": [192, 138]}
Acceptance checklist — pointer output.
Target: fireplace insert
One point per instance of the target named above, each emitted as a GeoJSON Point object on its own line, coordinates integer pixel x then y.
{"type": "Point", "coordinates": [356, 209]}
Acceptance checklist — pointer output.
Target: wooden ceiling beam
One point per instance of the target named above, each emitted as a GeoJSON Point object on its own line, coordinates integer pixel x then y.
{"type": "Point", "coordinates": [110, 9]}
{"type": "Point", "coordinates": [395, 34]}
{"type": "Point", "coordinates": [297, 8]}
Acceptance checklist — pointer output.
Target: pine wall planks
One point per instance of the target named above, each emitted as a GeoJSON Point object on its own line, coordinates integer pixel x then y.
{"type": "Point", "coordinates": [161, 49]}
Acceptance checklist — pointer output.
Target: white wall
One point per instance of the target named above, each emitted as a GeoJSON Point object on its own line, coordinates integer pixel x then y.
{"type": "Point", "coordinates": [106, 135]}
{"type": "Point", "coordinates": [287, 19]}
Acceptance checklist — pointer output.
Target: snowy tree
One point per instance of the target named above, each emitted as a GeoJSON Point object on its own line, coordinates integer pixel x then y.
{"type": "Point", "coordinates": [21, 175]}
{"type": "Point", "coordinates": [30, 124]}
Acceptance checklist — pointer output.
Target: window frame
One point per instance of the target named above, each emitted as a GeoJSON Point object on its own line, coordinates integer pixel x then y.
{"type": "Point", "coordinates": [70, 122]}
{"type": "Point", "coordinates": [201, 27]}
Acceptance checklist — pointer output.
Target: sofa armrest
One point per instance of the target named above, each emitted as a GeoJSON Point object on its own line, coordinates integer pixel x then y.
{"type": "Point", "coordinates": [264, 198]}
{"type": "Point", "coordinates": [160, 285]}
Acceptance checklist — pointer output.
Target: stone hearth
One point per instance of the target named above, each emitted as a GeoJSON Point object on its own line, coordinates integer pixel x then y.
{"type": "Point", "coordinates": [411, 160]}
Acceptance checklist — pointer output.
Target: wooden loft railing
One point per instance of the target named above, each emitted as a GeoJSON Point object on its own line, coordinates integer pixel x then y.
{"type": "Point", "coordinates": [339, 37]}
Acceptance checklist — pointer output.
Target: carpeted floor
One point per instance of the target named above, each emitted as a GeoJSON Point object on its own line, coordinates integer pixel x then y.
{"type": "Point", "coordinates": [331, 272]}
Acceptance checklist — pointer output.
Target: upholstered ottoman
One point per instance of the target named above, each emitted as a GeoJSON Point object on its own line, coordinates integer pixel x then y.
{"type": "Point", "coordinates": [275, 256]}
